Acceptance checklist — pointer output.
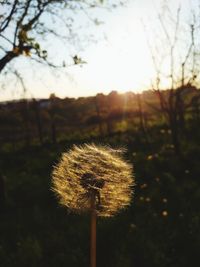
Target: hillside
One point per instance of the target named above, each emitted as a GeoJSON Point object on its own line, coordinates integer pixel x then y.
{"type": "Point", "coordinates": [161, 226]}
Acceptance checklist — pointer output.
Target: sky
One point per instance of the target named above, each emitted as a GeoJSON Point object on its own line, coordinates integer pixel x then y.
{"type": "Point", "coordinates": [119, 58]}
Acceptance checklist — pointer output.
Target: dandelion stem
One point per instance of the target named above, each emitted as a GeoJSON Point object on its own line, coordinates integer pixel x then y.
{"type": "Point", "coordinates": [93, 233]}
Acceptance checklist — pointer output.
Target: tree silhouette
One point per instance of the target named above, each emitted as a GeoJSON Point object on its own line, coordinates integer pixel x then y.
{"type": "Point", "coordinates": [24, 23]}
{"type": "Point", "coordinates": [182, 70]}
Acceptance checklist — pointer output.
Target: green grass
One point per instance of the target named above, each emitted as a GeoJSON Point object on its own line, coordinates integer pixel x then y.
{"type": "Point", "coordinates": [36, 231]}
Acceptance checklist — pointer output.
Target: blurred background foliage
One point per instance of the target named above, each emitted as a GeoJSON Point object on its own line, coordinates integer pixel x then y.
{"type": "Point", "coordinates": [159, 229]}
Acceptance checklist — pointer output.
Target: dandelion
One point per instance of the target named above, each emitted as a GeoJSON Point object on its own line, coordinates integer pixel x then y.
{"type": "Point", "coordinates": [148, 199]}
{"type": "Point", "coordinates": [93, 179]}
{"type": "Point", "coordinates": [150, 157]}
{"type": "Point", "coordinates": [143, 186]}
{"type": "Point", "coordinates": [164, 213]}
{"type": "Point", "coordinates": [164, 200]}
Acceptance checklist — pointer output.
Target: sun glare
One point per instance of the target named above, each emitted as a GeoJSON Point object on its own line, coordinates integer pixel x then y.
{"type": "Point", "coordinates": [122, 62]}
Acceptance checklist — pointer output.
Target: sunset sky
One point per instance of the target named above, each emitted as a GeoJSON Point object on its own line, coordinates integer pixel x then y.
{"type": "Point", "coordinates": [119, 58]}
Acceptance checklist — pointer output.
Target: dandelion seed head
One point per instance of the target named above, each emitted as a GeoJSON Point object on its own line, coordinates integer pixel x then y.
{"type": "Point", "coordinates": [90, 169]}
{"type": "Point", "coordinates": [164, 213]}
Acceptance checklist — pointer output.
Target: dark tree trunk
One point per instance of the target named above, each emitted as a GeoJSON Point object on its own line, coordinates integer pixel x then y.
{"type": "Point", "coordinates": [38, 121]}
{"type": "Point", "coordinates": [169, 108]}
{"type": "Point", "coordinates": [99, 116]}
{"type": "Point", "coordinates": [142, 118]}
{"type": "Point", "coordinates": [141, 115]}
{"type": "Point", "coordinates": [196, 108]}
{"type": "Point", "coordinates": [180, 110]}
{"type": "Point", "coordinates": [6, 59]}
{"type": "Point", "coordinates": [53, 131]}
{"type": "Point", "coordinates": [174, 133]}
{"type": "Point", "coordinates": [27, 124]}
{"type": "Point", "coordinates": [109, 124]}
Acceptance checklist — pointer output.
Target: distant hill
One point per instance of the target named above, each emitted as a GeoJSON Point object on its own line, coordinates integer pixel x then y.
{"type": "Point", "coordinates": [43, 120]}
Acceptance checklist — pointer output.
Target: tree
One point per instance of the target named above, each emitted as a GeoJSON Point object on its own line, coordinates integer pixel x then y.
{"type": "Point", "coordinates": [38, 119]}
{"type": "Point", "coordinates": [98, 113]}
{"type": "Point", "coordinates": [24, 23]}
{"type": "Point", "coordinates": [52, 111]}
{"type": "Point", "coordinates": [175, 54]}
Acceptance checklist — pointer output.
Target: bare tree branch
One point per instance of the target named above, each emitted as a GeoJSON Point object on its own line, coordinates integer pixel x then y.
{"type": "Point", "coordinates": [7, 20]}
